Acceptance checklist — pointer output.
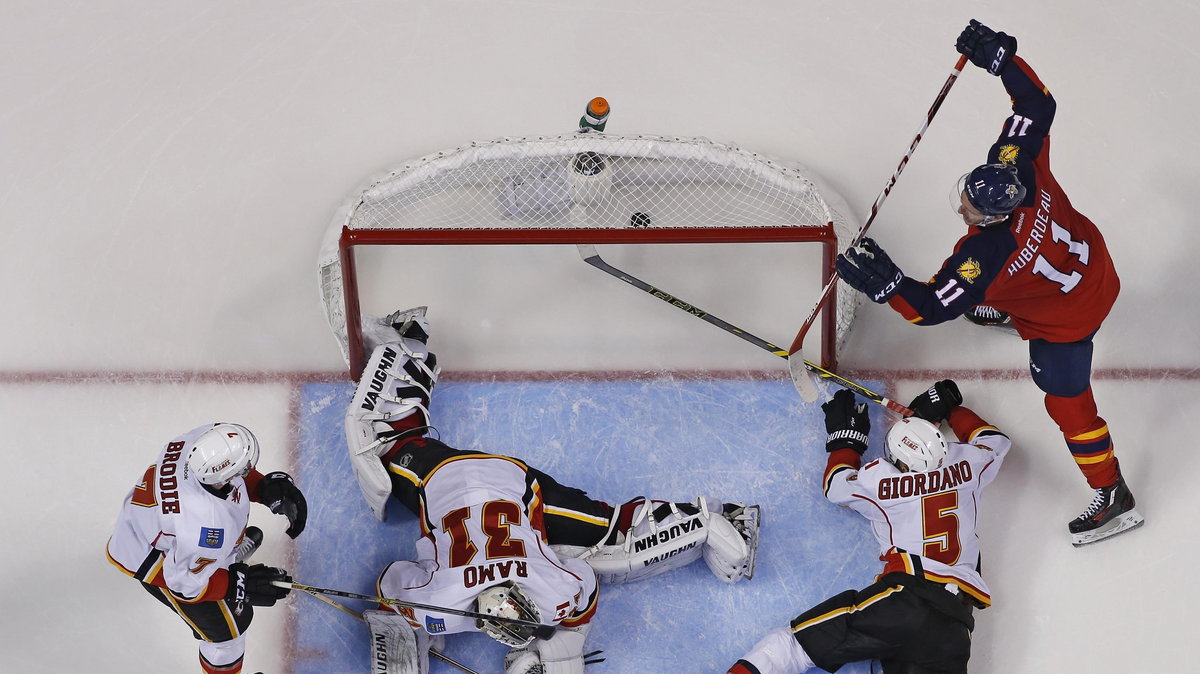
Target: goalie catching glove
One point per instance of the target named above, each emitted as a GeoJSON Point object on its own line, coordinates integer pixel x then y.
{"type": "Point", "coordinates": [278, 491]}
{"type": "Point", "coordinates": [869, 270]}
{"type": "Point", "coordinates": [847, 423]}
{"type": "Point", "coordinates": [934, 405]}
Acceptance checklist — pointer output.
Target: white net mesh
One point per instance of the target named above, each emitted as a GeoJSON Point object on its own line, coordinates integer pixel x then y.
{"type": "Point", "coordinates": [587, 181]}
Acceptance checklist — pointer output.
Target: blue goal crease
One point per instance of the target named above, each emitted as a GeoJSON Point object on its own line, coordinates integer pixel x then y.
{"type": "Point", "coordinates": [747, 441]}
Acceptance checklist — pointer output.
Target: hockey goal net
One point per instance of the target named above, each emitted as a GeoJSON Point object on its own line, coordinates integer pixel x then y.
{"type": "Point", "coordinates": [586, 188]}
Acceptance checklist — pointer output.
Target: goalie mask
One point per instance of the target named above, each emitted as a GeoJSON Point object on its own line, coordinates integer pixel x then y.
{"type": "Point", "coordinates": [222, 453]}
{"type": "Point", "coordinates": [916, 443]}
{"type": "Point", "coordinates": [507, 600]}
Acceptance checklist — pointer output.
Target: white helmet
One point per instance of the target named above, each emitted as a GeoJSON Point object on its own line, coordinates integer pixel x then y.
{"type": "Point", "coordinates": [507, 600]}
{"type": "Point", "coordinates": [222, 453]}
{"type": "Point", "coordinates": [916, 443]}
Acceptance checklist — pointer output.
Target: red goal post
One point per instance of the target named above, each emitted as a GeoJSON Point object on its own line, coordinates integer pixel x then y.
{"type": "Point", "coordinates": [586, 188]}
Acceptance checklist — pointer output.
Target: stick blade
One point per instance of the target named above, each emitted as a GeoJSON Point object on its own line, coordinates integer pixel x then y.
{"type": "Point", "coordinates": [805, 382]}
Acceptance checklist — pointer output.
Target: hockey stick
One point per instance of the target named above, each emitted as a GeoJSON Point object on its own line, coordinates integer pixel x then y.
{"type": "Point", "coordinates": [539, 630]}
{"type": "Point", "coordinates": [827, 291]}
{"type": "Point", "coordinates": [804, 383]}
{"type": "Point", "coordinates": [358, 616]}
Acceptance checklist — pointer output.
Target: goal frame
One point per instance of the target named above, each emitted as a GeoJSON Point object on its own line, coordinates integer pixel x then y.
{"type": "Point", "coordinates": [391, 210]}
{"type": "Point", "coordinates": [350, 239]}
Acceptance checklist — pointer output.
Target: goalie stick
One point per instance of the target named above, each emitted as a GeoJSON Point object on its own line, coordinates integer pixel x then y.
{"type": "Point", "coordinates": [539, 630]}
{"type": "Point", "coordinates": [359, 616]}
{"type": "Point", "coordinates": [797, 365]}
{"type": "Point", "coordinates": [827, 291]}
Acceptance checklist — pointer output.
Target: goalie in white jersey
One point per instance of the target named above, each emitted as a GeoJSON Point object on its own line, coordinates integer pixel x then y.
{"type": "Point", "coordinates": [501, 537]}
{"type": "Point", "coordinates": [182, 532]}
{"type": "Point", "coordinates": [921, 500]}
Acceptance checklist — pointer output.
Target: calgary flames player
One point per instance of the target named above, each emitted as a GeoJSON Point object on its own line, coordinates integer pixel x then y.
{"type": "Point", "coordinates": [502, 538]}
{"type": "Point", "coordinates": [182, 532]}
{"type": "Point", "coordinates": [922, 501]}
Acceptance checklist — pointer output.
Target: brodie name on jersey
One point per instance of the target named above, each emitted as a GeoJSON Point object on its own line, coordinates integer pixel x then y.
{"type": "Point", "coordinates": [919, 484]}
{"type": "Point", "coordinates": [168, 483]}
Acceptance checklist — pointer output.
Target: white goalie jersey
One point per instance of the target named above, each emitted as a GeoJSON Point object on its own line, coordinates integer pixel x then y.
{"type": "Point", "coordinates": [481, 530]}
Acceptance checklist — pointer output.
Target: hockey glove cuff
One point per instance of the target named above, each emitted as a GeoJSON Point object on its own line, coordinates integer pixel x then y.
{"type": "Point", "coordinates": [279, 493]}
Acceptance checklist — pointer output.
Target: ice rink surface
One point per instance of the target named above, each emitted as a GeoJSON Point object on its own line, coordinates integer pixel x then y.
{"type": "Point", "coordinates": [168, 169]}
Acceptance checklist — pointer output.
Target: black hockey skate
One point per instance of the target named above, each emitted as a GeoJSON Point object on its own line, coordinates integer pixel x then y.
{"type": "Point", "coordinates": [1111, 512]}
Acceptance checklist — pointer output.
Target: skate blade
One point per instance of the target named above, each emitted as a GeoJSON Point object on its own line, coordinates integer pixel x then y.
{"type": "Point", "coordinates": [1125, 522]}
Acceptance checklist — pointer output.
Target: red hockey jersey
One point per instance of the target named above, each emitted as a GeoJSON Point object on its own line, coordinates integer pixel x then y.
{"type": "Point", "coordinates": [1047, 266]}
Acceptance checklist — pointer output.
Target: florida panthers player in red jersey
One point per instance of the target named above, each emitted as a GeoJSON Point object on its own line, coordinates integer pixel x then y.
{"type": "Point", "coordinates": [182, 532]}
{"type": "Point", "coordinates": [922, 501]}
{"type": "Point", "coordinates": [1029, 260]}
{"type": "Point", "coordinates": [500, 537]}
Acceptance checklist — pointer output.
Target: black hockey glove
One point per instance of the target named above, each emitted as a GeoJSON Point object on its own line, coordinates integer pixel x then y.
{"type": "Point", "coordinates": [869, 270]}
{"type": "Point", "coordinates": [935, 404]}
{"type": "Point", "coordinates": [846, 422]}
{"type": "Point", "coordinates": [279, 492]}
{"type": "Point", "coordinates": [985, 47]}
{"type": "Point", "coordinates": [253, 584]}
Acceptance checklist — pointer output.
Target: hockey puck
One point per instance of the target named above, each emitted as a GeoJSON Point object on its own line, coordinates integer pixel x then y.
{"type": "Point", "coordinates": [639, 219]}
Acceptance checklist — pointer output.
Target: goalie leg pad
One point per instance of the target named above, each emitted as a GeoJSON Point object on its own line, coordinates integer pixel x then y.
{"type": "Point", "coordinates": [732, 545]}
{"type": "Point", "coordinates": [661, 537]}
{"type": "Point", "coordinates": [395, 386]}
{"type": "Point", "coordinates": [396, 648]}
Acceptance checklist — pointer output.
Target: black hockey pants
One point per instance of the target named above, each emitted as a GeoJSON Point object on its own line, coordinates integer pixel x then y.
{"type": "Point", "coordinates": [912, 625]}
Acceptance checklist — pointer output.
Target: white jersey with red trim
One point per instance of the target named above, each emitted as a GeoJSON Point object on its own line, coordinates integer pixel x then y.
{"type": "Point", "coordinates": [171, 527]}
{"type": "Point", "coordinates": [930, 516]}
{"type": "Point", "coordinates": [482, 516]}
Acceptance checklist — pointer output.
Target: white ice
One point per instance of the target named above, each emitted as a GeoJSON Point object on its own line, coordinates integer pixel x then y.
{"type": "Point", "coordinates": [167, 170]}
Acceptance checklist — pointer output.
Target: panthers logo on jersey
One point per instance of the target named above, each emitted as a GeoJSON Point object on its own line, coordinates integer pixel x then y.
{"type": "Point", "coordinates": [1008, 154]}
{"type": "Point", "coordinates": [969, 270]}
